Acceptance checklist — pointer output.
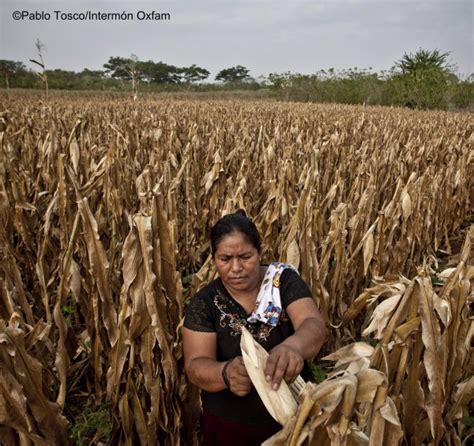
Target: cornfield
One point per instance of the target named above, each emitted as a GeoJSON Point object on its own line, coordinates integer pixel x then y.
{"type": "Point", "coordinates": [105, 211]}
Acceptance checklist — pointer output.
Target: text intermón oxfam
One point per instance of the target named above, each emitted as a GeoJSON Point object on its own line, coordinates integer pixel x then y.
{"type": "Point", "coordinates": [90, 16]}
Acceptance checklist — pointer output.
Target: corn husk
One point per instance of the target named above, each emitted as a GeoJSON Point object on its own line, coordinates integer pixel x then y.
{"type": "Point", "coordinates": [280, 403]}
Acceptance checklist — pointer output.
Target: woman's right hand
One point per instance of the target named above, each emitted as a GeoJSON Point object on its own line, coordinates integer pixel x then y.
{"type": "Point", "coordinates": [239, 380]}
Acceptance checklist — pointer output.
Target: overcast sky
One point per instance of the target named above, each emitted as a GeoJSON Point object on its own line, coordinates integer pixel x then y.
{"type": "Point", "coordinates": [264, 35]}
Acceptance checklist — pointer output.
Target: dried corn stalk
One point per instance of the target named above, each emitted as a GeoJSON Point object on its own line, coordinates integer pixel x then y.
{"type": "Point", "coordinates": [25, 397]}
{"type": "Point", "coordinates": [351, 407]}
{"type": "Point", "coordinates": [424, 335]}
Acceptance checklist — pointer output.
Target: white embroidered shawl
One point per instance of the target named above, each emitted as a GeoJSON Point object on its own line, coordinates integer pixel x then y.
{"type": "Point", "coordinates": [268, 306]}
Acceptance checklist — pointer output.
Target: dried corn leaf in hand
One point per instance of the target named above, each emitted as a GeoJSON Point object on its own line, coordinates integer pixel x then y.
{"type": "Point", "coordinates": [280, 403]}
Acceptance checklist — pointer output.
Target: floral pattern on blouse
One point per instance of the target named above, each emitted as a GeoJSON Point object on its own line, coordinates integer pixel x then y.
{"type": "Point", "coordinates": [234, 321]}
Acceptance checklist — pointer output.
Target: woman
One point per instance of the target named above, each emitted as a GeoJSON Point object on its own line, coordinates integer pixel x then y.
{"type": "Point", "coordinates": [275, 305]}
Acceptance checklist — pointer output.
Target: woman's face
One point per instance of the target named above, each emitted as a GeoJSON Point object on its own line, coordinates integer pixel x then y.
{"type": "Point", "coordinates": [238, 263]}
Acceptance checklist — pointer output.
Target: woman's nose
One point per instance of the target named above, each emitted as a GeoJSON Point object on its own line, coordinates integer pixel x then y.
{"type": "Point", "coordinates": [236, 265]}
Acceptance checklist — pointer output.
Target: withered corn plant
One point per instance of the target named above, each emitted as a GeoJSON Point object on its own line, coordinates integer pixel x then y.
{"type": "Point", "coordinates": [414, 387]}
{"type": "Point", "coordinates": [105, 211]}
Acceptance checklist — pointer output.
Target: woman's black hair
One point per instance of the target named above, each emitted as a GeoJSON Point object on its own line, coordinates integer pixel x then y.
{"type": "Point", "coordinates": [231, 223]}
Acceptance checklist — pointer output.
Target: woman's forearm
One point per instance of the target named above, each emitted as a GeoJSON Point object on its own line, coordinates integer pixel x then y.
{"type": "Point", "coordinates": [206, 373]}
{"type": "Point", "coordinates": [308, 338]}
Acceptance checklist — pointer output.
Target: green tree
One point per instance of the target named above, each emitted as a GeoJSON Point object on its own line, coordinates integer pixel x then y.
{"type": "Point", "coordinates": [233, 74]}
{"type": "Point", "coordinates": [62, 79]}
{"type": "Point", "coordinates": [425, 60]}
{"type": "Point", "coordinates": [162, 73]}
{"type": "Point", "coordinates": [117, 67]}
{"type": "Point", "coordinates": [90, 79]}
{"type": "Point", "coordinates": [98, 74]}
{"type": "Point", "coordinates": [424, 79]}
{"type": "Point", "coordinates": [126, 69]}
{"type": "Point", "coordinates": [148, 71]}
{"type": "Point", "coordinates": [10, 69]}
{"type": "Point", "coordinates": [194, 74]}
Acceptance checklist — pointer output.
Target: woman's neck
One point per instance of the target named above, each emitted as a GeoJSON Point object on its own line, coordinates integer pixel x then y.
{"type": "Point", "coordinates": [248, 298]}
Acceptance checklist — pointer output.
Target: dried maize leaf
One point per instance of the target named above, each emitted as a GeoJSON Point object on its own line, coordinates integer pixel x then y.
{"type": "Point", "coordinates": [280, 403]}
{"type": "Point", "coordinates": [350, 353]}
{"type": "Point", "coordinates": [433, 357]}
{"type": "Point", "coordinates": [381, 315]}
{"type": "Point", "coordinates": [293, 254]}
{"type": "Point", "coordinates": [368, 382]}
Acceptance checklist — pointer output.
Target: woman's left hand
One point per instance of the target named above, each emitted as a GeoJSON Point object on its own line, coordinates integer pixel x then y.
{"type": "Point", "coordinates": [285, 362]}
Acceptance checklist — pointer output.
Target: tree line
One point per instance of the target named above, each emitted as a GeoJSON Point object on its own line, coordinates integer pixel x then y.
{"type": "Point", "coordinates": [16, 74]}
{"type": "Point", "coordinates": [425, 79]}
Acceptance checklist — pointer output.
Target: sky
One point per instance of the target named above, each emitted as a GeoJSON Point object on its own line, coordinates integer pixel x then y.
{"type": "Point", "coordinates": [262, 35]}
